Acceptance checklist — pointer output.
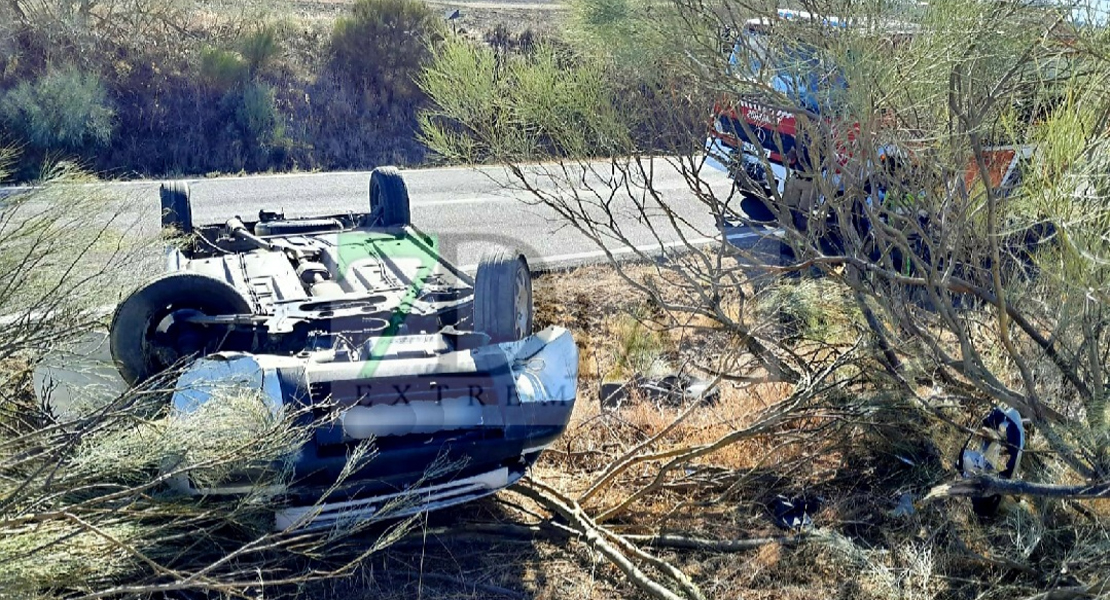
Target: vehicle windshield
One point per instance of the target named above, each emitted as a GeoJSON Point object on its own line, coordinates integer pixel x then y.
{"type": "Point", "coordinates": [798, 70]}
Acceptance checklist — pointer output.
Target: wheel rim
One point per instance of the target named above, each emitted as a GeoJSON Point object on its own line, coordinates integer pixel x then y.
{"type": "Point", "coordinates": [376, 204]}
{"type": "Point", "coordinates": [521, 301]}
{"type": "Point", "coordinates": [172, 338]}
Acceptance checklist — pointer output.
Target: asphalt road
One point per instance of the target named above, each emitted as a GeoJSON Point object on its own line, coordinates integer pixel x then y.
{"type": "Point", "coordinates": [469, 209]}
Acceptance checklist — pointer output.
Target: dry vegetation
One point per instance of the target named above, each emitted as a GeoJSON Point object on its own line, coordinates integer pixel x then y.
{"type": "Point", "coordinates": [858, 451]}
{"type": "Point", "coordinates": [675, 493]}
{"type": "Point", "coordinates": [163, 87]}
{"type": "Point", "coordinates": [847, 389]}
{"type": "Point", "coordinates": [919, 321]}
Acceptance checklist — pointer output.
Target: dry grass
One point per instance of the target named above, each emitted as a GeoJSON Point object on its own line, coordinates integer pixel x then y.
{"type": "Point", "coordinates": [862, 548]}
{"type": "Point", "coordinates": [858, 451]}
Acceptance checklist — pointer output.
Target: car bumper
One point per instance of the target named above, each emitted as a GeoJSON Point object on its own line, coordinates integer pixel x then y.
{"type": "Point", "coordinates": [398, 504]}
{"type": "Point", "coordinates": [722, 156]}
{"type": "Point", "coordinates": [436, 444]}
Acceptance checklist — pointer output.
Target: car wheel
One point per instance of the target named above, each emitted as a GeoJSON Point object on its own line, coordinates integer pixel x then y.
{"type": "Point", "coordinates": [149, 331]}
{"type": "Point", "coordinates": [177, 208]}
{"type": "Point", "coordinates": [389, 197]}
{"type": "Point", "coordinates": [503, 296]}
{"type": "Point", "coordinates": [756, 209]}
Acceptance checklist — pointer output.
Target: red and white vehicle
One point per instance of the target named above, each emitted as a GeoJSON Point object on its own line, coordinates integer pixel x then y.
{"type": "Point", "coordinates": [747, 134]}
{"type": "Point", "coordinates": [765, 139]}
{"type": "Point", "coordinates": [771, 144]}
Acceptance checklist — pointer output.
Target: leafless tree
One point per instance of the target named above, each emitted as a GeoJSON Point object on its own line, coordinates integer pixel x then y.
{"type": "Point", "coordinates": [966, 287]}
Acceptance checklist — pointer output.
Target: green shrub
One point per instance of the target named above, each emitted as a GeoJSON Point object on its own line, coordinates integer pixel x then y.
{"type": "Point", "coordinates": [630, 32]}
{"type": "Point", "coordinates": [549, 103]}
{"type": "Point", "coordinates": [382, 45]}
{"type": "Point", "coordinates": [256, 115]}
{"type": "Point", "coordinates": [641, 346]}
{"type": "Point", "coordinates": [255, 128]}
{"type": "Point", "coordinates": [222, 70]}
{"type": "Point", "coordinates": [260, 48]}
{"type": "Point", "coordinates": [64, 109]}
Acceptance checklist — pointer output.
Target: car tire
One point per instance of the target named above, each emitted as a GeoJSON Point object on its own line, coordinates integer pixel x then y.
{"type": "Point", "coordinates": [503, 296]}
{"type": "Point", "coordinates": [756, 209]}
{"type": "Point", "coordinates": [389, 197]}
{"type": "Point", "coordinates": [177, 207]}
{"type": "Point", "coordinates": [140, 350]}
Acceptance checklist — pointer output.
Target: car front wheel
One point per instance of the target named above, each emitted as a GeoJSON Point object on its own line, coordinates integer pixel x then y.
{"type": "Point", "coordinates": [503, 296]}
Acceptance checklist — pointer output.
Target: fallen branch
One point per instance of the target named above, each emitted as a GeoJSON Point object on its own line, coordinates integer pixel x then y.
{"type": "Point", "coordinates": [693, 543]}
{"type": "Point", "coordinates": [978, 487]}
{"type": "Point", "coordinates": [607, 544]}
{"type": "Point", "coordinates": [1094, 590]}
{"type": "Point", "coordinates": [768, 421]}
{"type": "Point", "coordinates": [632, 457]}
{"type": "Point", "coordinates": [494, 533]}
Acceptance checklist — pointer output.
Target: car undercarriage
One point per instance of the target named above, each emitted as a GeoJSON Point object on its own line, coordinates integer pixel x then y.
{"type": "Point", "coordinates": [356, 324]}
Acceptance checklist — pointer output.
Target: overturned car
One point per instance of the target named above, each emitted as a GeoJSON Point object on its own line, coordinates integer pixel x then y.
{"type": "Point", "coordinates": [358, 323]}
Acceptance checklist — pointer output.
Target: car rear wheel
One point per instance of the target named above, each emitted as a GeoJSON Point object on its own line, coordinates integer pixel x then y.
{"type": "Point", "coordinates": [150, 329]}
{"type": "Point", "coordinates": [177, 207]}
{"type": "Point", "coordinates": [389, 197]}
{"type": "Point", "coordinates": [503, 296]}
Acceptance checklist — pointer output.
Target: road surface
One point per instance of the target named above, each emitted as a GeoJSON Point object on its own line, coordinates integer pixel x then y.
{"type": "Point", "coordinates": [469, 208]}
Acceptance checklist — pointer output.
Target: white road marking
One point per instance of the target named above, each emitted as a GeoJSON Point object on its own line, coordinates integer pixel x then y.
{"type": "Point", "coordinates": [195, 179]}
{"type": "Point", "coordinates": [556, 259]}
{"type": "Point", "coordinates": [471, 200]}
{"type": "Point", "coordinates": [655, 248]}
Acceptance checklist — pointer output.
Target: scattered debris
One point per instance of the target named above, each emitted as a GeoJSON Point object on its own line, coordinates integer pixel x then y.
{"type": "Point", "coordinates": [905, 507]}
{"type": "Point", "coordinates": [794, 513]}
{"type": "Point", "coordinates": [668, 390]}
{"type": "Point", "coordinates": [998, 452]}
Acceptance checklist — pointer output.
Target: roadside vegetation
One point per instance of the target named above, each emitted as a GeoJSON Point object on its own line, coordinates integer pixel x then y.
{"type": "Point", "coordinates": [164, 87]}
{"type": "Point", "coordinates": [847, 379]}
{"type": "Point", "coordinates": [160, 88]}
{"type": "Point", "coordinates": [867, 362]}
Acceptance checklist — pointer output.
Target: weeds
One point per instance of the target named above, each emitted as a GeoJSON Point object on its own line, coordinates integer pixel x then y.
{"type": "Point", "coordinates": [222, 70]}
{"type": "Point", "coordinates": [99, 498]}
{"type": "Point", "coordinates": [198, 91]}
{"type": "Point", "coordinates": [693, 483]}
{"type": "Point", "coordinates": [63, 110]}
{"type": "Point", "coordinates": [640, 348]}
{"type": "Point", "coordinates": [260, 48]}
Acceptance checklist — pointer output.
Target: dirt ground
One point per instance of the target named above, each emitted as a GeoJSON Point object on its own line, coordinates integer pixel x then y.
{"type": "Point", "coordinates": [500, 547]}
